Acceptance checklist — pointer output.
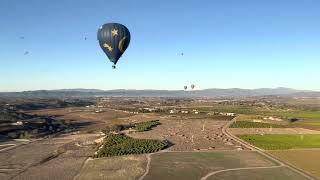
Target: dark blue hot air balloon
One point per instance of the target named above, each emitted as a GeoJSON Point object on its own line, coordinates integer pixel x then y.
{"type": "Point", "coordinates": [114, 39]}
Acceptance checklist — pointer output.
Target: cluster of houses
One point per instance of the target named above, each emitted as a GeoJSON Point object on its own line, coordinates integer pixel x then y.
{"type": "Point", "coordinates": [176, 111]}
{"type": "Point", "coordinates": [222, 113]}
{"type": "Point", "coordinates": [194, 111]}
{"type": "Point", "coordinates": [96, 110]}
{"type": "Point", "coordinates": [272, 118]}
{"type": "Point", "coordinates": [172, 111]}
{"type": "Point", "coordinates": [94, 106]}
{"type": "Point", "coordinates": [148, 109]}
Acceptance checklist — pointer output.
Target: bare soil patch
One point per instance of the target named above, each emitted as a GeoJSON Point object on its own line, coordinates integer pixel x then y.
{"type": "Point", "coordinates": [194, 165]}
{"type": "Point", "coordinates": [281, 173]}
{"type": "Point", "coordinates": [305, 159]}
{"type": "Point", "coordinates": [53, 158]}
{"type": "Point", "coordinates": [117, 168]}
{"type": "Point", "coordinates": [87, 119]}
{"type": "Point", "coordinates": [190, 134]}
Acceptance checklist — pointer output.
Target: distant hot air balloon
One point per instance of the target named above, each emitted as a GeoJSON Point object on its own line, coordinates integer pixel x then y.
{"type": "Point", "coordinates": [113, 39]}
{"type": "Point", "coordinates": [185, 88]}
{"type": "Point", "coordinates": [192, 86]}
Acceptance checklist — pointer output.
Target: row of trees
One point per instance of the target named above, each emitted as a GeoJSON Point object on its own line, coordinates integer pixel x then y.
{"type": "Point", "coordinates": [249, 124]}
{"type": "Point", "coordinates": [142, 126]}
{"type": "Point", "coordinates": [146, 126]}
{"type": "Point", "coordinates": [119, 144]}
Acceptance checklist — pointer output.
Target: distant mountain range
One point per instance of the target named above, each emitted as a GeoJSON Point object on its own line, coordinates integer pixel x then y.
{"type": "Point", "coordinates": [210, 93]}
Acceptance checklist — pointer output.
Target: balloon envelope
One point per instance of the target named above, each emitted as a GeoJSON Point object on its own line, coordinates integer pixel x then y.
{"type": "Point", "coordinates": [185, 87]}
{"type": "Point", "coordinates": [114, 39]}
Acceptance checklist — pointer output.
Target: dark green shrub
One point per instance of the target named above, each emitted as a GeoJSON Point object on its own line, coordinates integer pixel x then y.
{"type": "Point", "coordinates": [113, 128]}
{"type": "Point", "coordinates": [119, 144]}
{"type": "Point", "coordinates": [250, 124]}
{"type": "Point", "coordinates": [146, 126]}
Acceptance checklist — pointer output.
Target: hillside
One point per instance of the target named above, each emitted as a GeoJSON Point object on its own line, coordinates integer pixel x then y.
{"type": "Point", "coordinates": [211, 93]}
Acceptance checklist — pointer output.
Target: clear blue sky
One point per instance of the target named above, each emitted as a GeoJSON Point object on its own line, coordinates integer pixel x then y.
{"type": "Point", "coordinates": [226, 43]}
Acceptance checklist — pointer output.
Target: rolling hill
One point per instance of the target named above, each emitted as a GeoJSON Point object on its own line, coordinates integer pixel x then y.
{"type": "Point", "coordinates": [210, 93]}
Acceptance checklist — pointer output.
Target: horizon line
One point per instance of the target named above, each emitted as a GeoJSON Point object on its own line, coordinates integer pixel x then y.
{"type": "Point", "coordinates": [155, 89]}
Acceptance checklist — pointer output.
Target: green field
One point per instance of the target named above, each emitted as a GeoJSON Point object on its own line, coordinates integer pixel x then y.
{"type": "Point", "coordinates": [249, 110]}
{"type": "Point", "coordinates": [314, 123]}
{"type": "Point", "coordinates": [275, 142]}
{"type": "Point", "coordinates": [249, 124]}
{"type": "Point", "coordinates": [310, 124]}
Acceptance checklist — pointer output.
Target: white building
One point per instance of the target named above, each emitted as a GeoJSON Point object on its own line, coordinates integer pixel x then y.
{"type": "Point", "coordinates": [173, 111]}
{"type": "Point", "coordinates": [230, 114]}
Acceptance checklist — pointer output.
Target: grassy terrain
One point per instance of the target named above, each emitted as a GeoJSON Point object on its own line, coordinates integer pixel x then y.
{"type": "Point", "coordinates": [145, 126]}
{"type": "Point", "coordinates": [249, 124]}
{"type": "Point", "coordinates": [281, 173]}
{"type": "Point", "coordinates": [307, 160]}
{"type": "Point", "coordinates": [307, 118]}
{"type": "Point", "coordinates": [114, 168]}
{"type": "Point", "coordinates": [274, 142]}
{"type": "Point", "coordinates": [315, 123]}
{"type": "Point", "coordinates": [194, 165]}
{"type": "Point", "coordinates": [248, 117]}
{"type": "Point", "coordinates": [249, 110]}
{"type": "Point", "coordinates": [118, 144]}
{"type": "Point", "coordinates": [140, 127]}
{"type": "Point", "coordinates": [114, 128]}
{"type": "Point", "coordinates": [310, 124]}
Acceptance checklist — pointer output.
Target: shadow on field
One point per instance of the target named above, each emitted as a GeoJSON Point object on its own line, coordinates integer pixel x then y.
{"type": "Point", "coordinates": [41, 128]}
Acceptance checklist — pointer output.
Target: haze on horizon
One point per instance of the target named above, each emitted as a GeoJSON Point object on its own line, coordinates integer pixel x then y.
{"type": "Point", "coordinates": [198, 89]}
{"type": "Point", "coordinates": [226, 44]}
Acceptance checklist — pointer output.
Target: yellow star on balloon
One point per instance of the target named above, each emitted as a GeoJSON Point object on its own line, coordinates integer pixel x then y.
{"type": "Point", "coordinates": [108, 47]}
{"type": "Point", "coordinates": [114, 32]}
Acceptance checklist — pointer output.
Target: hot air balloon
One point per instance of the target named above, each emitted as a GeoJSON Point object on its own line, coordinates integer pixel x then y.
{"type": "Point", "coordinates": [192, 86]}
{"type": "Point", "coordinates": [114, 39]}
{"type": "Point", "coordinates": [185, 88]}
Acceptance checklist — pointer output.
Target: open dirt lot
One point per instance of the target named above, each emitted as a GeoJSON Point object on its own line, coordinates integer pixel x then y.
{"type": "Point", "coordinates": [305, 159]}
{"type": "Point", "coordinates": [279, 173]}
{"type": "Point", "coordinates": [190, 134]}
{"type": "Point", "coordinates": [186, 132]}
{"type": "Point", "coordinates": [54, 158]}
{"type": "Point", "coordinates": [87, 118]}
{"type": "Point", "coordinates": [240, 131]}
{"type": "Point", "coordinates": [117, 168]}
{"type": "Point", "coordinates": [65, 156]}
{"type": "Point", "coordinates": [195, 165]}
